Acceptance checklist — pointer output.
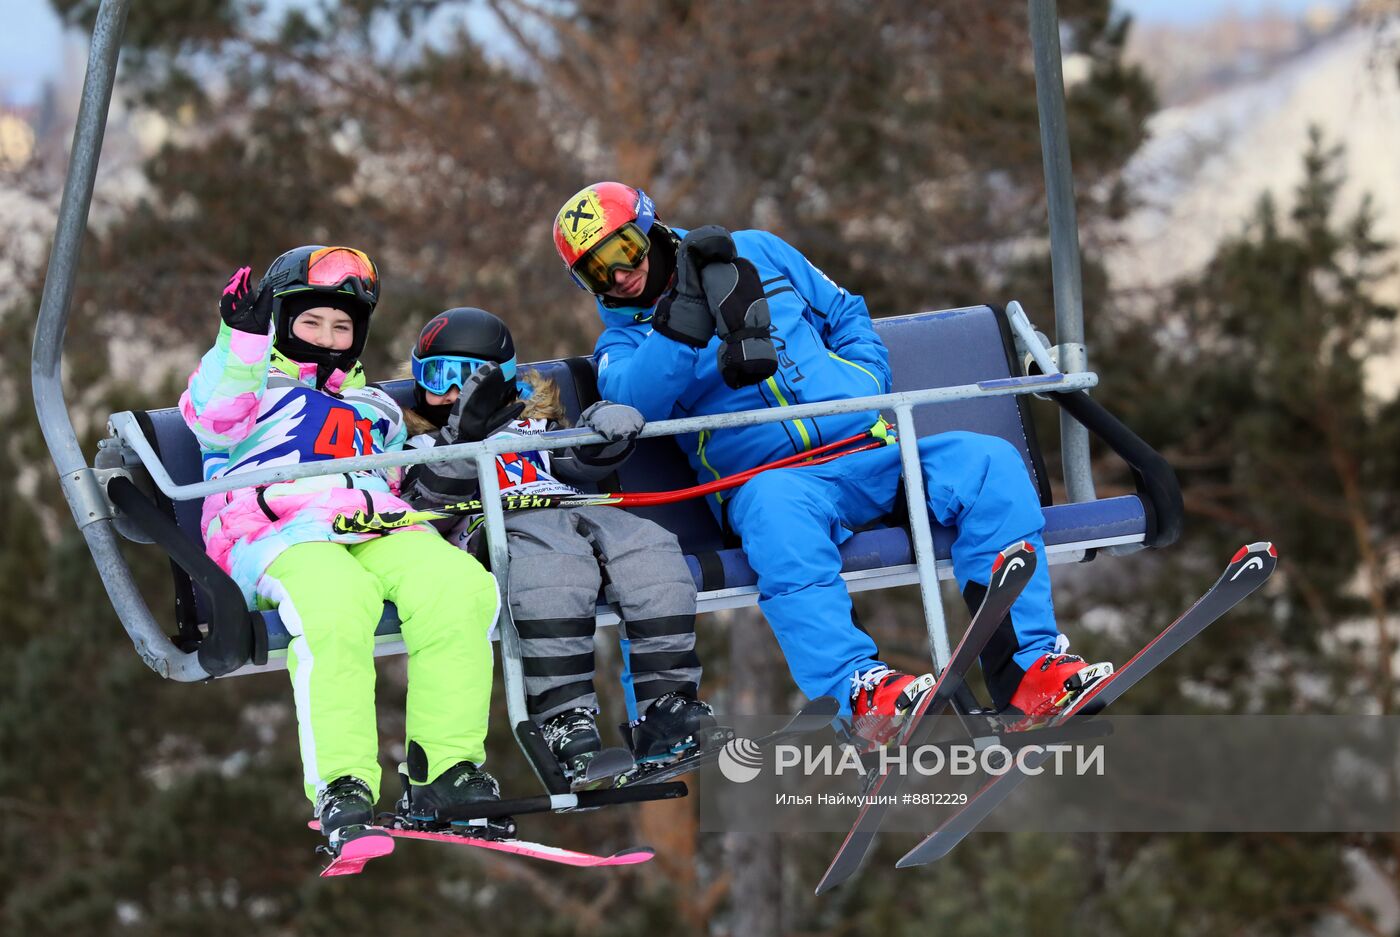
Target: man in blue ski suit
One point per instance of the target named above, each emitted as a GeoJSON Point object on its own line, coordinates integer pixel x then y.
{"type": "Point", "coordinates": [673, 348]}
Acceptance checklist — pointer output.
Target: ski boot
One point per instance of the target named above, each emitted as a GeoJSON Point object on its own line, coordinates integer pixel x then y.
{"type": "Point", "coordinates": [573, 740]}
{"type": "Point", "coordinates": [674, 725]}
{"type": "Point", "coordinates": [461, 785]}
{"type": "Point", "coordinates": [345, 811]}
{"type": "Point", "coordinates": [881, 699]}
{"type": "Point", "coordinates": [1050, 686]}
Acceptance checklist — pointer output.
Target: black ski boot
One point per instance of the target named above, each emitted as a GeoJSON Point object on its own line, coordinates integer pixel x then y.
{"type": "Point", "coordinates": [462, 784]}
{"type": "Point", "coordinates": [573, 739]}
{"type": "Point", "coordinates": [672, 725]}
{"type": "Point", "coordinates": [346, 805]}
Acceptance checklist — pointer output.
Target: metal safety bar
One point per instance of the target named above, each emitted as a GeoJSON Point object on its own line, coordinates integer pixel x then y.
{"type": "Point", "coordinates": [124, 425]}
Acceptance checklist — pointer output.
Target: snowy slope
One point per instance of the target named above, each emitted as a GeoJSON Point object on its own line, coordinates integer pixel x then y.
{"type": "Point", "coordinates": [1206, 164]}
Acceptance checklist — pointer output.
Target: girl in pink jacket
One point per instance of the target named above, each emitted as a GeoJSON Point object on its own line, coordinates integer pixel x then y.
{"type": "Point", "coordinates": [283, 385]}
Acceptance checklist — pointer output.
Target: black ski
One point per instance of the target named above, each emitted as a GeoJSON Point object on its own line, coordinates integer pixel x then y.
{"type": "Point", "coordinates": [811, 717]}
{"type": "Point", "coordinates": [1247, 571]}
{"type": "Point", "coordinates": [1011, 570]}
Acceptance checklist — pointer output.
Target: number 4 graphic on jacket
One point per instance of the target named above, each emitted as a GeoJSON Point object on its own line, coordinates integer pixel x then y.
{"type": "Point", "coordinates": [339, 434]}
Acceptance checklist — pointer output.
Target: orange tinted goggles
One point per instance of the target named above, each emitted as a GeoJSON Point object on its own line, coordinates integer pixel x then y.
{"type": "Point", "coordinates": [333, 266]}
{"type": "Point", "coordinates": [624, 249]}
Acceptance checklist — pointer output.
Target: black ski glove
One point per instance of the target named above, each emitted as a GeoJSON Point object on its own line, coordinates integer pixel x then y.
{"type": "Point", "coordinates": [244, 308]}
{"type": "Point", "coordinates": [487, 402]}
{"type": "Point", "coordinates": [438, 483]}
{"type": "Point", "coordinates": [683, 315]}
{"type": "Point", "coordinates": [735, 293]}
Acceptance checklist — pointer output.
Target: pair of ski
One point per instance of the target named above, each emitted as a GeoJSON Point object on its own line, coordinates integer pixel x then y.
{"type": "Point", "coordinates": [491, 825]}
{"type": "Point", "coordinates": [617, 768]}
{"type": "Point", "coordinates": [1011, 571]}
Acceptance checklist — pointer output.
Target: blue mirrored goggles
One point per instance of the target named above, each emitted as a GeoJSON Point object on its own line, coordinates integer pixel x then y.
{"type": "Point", "coordinates": [441, 373]}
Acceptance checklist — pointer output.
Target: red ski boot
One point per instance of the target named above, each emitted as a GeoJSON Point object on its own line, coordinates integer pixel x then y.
{"type": "Point", "coordinates": [880, 699]}
{"type": "Point", "coordinates": [1051, 684]}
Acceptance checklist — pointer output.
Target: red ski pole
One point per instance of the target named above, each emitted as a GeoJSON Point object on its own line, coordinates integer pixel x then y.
{"type": "Point", "coordinates": [363, 522]}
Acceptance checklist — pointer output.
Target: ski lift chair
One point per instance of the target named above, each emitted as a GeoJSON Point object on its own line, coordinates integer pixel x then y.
{"type": "Point", "coordinates": [143, 482]}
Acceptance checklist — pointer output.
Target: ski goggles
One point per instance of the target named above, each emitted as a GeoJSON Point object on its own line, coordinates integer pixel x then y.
{"type": "Point", "coordinates": [624, 249]}
{"type": "Point", "coordinates": [441, 373]}
{"type": "Point", "coordinates": [343, 269]}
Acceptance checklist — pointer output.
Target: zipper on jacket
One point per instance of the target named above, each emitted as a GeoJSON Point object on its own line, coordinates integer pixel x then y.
{"type": "Point", "coordinates": [782, 401]}
{"type": "Point", "coordinates": [878, 388]}
{"type": "Point", "coordinates": [700, 451]}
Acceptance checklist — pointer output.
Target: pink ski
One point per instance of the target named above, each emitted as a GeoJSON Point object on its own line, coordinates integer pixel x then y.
{"type": "Point", "coordinates": [355, 852]}
{"type": "Point", "coordinates": [350, 864]}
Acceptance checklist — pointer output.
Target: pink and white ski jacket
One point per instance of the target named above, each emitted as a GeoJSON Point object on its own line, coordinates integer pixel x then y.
{"type": "Point", "coordinates": [251, 408]}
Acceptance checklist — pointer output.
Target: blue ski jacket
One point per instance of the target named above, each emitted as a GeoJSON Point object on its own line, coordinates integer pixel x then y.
{"type": "Point", "coordinates": [827, 350]}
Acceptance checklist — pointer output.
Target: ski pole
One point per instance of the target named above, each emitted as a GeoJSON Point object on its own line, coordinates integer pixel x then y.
{"type": "Point", "coordinates": [379, 521]}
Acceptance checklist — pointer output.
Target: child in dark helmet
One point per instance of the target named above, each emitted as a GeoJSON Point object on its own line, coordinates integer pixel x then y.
{"type": "Point", "coordinates": [468, 389]}
{"type": "Point", "coordinates": [283, 385]}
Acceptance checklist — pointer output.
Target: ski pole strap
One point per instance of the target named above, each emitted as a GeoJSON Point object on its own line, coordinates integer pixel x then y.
{"type": "Point", "coordinates": [384, 521]}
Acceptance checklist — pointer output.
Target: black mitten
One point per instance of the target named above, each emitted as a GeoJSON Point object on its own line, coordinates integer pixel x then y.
{"type": "Point", "coordinates": [244, 308]}
{"type": "Point", "coordinates": [683, 315]}
{"type": "Point", "coordinates": [487, 402]}
{"type": "Point", "coordinates": [735, 294]}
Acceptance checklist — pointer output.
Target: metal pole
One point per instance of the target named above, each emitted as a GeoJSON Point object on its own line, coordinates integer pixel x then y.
{"type": "Point", "coordinates": [126, 427]}
{"type": "Point", "coordinates": [1064, 234]}
{"type": "Point", "coordinates": [924, 558]}
{"type": "Point", "coordinates": [498, 549]}
{"type": "Point", "coordinates": [52, 322]}
{"type": "Point", "coordinates": [79, 486]}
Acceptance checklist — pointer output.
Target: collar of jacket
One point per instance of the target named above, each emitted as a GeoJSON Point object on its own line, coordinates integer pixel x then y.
{"type": "Point", "coordinates": [306, 373]}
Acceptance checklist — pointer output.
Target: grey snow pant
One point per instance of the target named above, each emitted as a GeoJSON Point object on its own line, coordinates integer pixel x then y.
{"type": "Point", "coordinates": [557, 561]}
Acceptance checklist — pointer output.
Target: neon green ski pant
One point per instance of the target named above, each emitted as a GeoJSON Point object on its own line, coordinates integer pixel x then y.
{"type": "Point", "coordinates": [331, 596]}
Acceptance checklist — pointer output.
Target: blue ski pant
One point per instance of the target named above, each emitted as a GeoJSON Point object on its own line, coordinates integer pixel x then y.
{"type": "Point", "coordinates": [792, 520]}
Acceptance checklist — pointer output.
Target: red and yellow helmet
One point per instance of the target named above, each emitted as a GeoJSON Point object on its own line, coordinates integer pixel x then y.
{"type": "Point", "coordinates": [602, 229]}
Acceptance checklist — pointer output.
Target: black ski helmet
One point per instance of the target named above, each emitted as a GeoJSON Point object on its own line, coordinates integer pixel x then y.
{"type": "Point", "coordinates": [315, 275]}
{"type": "Point", "coordinates": [463, 332]}
{"type": "Point", "coordinates": [466, 332]}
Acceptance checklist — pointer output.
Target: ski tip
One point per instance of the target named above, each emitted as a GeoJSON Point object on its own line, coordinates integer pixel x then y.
{"type": "Point", "coordinates": [358, 849]}
{"type": "Point", "coordinates": [930, 850]}
{"type": "Point", "coordinates": [1020, 546]}
{"type": "Point", "coordinates": [368, 846]}
{"type": "Point", "coordinates": [633, 856]}
{"type": "Point", "coordinates": [833, 879]}
{"type": "Point", "coordinates": [1261, 546]}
